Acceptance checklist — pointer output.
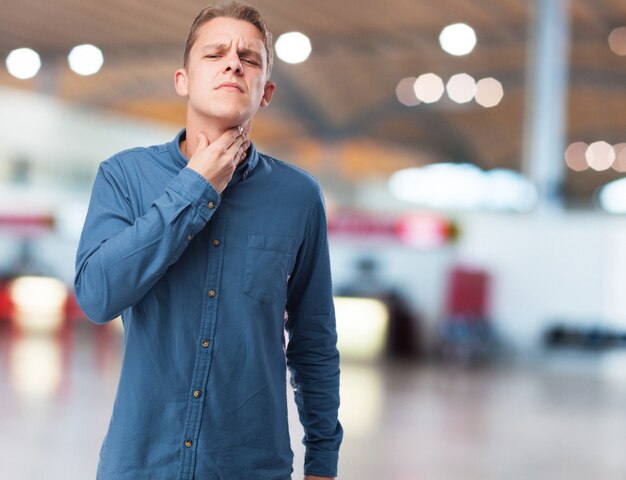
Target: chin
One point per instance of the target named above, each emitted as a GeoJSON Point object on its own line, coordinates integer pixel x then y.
{"type": "Point", "coordinates": [232, 118]}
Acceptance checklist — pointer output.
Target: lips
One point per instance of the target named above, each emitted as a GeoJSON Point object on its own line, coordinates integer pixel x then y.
{"type": "Point", "coordinates": [230, 85]}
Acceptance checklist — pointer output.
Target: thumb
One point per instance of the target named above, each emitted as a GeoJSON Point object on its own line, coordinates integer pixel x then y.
{"type": "Point", "coordinates": [203, 142]}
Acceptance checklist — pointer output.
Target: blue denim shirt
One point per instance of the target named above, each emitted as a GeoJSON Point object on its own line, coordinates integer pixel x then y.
{"type": "Point", "coordinates": [206, 286]}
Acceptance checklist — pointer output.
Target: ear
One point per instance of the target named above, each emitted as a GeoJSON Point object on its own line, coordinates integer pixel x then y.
{"type": "Point", "coordinates": [268, 93]}
{"type": "Point", "coordinates": [180, 82]}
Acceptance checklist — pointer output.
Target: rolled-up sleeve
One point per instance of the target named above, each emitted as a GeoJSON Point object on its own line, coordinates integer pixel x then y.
{"type": "Point", "coordinates": [312, 355]}
{"type": "Point", "coordinates": [121, 255]}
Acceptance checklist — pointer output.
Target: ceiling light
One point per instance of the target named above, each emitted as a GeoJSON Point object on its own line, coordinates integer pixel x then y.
{"type": "Point", "coordinates": [85, 59]}
{"type": "Point", "coordinates": [617, 41]}
{"type": "Point", "coordinates": [406, 93]}
{"type": "Point", "coordinates": [458, 39]}
{"type": "Point", "coordinates": [461, 88]}
{"type": "Point", "coordinates": [575, 156]}
{"type": "Point", "coordinates": [23, 63]}
{"type": "Point", "coordinates": [293, 47]}
{"type": "Point", "coordinates": [439, 185]}
{"type": "Point", "coordinates": [489, 92]}
{"type": "Point", "coordinates": [428, 88]}
{"type": "Point", "coordinates": [612, 196]}
{"type": "Point", "coordinates": [600, 156]}
{"type": "Point", "coordinates": [463, 187]}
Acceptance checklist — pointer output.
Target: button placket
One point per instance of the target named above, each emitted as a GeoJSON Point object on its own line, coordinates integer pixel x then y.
{"type": "Point", "coordinates": [202, 367]}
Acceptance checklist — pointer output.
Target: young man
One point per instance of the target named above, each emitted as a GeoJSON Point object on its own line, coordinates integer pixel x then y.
{"type": "Point", "coordinates": [205, 246]}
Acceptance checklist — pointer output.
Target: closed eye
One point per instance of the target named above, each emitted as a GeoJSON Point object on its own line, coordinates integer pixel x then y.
{"type": "Point", "coordinates": [250, 61]}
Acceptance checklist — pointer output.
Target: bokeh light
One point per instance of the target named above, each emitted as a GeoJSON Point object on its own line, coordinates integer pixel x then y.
{"type": "Point", "coordinates": [458, 39]}
{"type": "Point", "coordinates": [461, 88]}
{"type": "Point", "coordinates": [600, 156]}
{"type": "Point", "coordinates": [612, 196]}
{"type": "Point", "coordinates": [85, 59]}
{"type": "Point", "coordinates": [575, 156]}
{"type": "Point", "coordinates": [620, 157]}
{"type": "Point", "coordinates": [39, 303]}
{"type": "Point", "coordinates": [428, 87]}
{"type": "Point", "coordinates": [405, 92]}
{"type": "Point", "coordinates": [293, 47]}
{"type": "Point", "coordinates": [617, 41]}
{"type": "Point", "coordinates": [489, 92]}
{"type": "Point", "coordinates": [23, 63]}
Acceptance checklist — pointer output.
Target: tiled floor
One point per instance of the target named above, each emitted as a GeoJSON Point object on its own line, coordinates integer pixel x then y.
{"type": "Point", "coordinates": [555, 418]}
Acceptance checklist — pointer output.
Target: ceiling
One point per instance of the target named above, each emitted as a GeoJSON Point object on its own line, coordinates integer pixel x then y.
{"type": "Point", "coordinates": [337, 113]}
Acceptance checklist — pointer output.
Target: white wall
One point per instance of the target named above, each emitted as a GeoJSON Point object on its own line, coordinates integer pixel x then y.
{"type": "Point", "coordinates": [546, 268]}
{"type": "Point", "coordinates": [45, 130]}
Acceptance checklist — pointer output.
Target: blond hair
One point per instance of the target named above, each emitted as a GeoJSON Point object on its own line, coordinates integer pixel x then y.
{"type": "Point", "coordinates": [238, 11]}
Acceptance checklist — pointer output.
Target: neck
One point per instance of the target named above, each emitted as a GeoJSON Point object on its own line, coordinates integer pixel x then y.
{"type": "Point", "coordinates": [212, 130]}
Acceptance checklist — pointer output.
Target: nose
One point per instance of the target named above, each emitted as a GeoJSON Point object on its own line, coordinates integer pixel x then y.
{"type": "Point", "coordinates": [233, 64]}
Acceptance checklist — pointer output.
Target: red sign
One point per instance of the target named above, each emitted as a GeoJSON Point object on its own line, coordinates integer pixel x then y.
{"type": "Point", "coordinates": [418, 230]}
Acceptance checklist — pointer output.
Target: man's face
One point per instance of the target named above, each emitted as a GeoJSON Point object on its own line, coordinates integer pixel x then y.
{"type": "Point", "coordinates": [226, 76]}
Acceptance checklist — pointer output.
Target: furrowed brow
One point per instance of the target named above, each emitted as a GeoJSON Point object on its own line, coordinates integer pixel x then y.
{"type": "Point", "coordinates": [214, 47]}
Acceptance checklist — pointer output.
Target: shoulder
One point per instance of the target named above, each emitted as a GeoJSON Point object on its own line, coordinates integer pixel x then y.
{"type": "Point", "coordinates": [292, 177]}
{"type": "Point", "coordinates": [136, 157]}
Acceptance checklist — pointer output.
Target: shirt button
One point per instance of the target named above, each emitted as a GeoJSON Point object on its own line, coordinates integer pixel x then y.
{"type": "Point", "coordinates": [216, 243]}
{"type": "Point", "coordinates": [197, 393]}
{"type": "Point", "coordinates": [212, 293]}
{"type": "Point", "coordinates": [211, 205]}
{"type": "Point", "coordinates": [189, 237]}
{"type": "Point", "coordinates": [188, 443]}
{"type": "Point", "coordinates": [205, 343]}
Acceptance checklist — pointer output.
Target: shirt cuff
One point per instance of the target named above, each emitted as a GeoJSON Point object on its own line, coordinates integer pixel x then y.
{"type": "Point", "coordinates": [197, 190]}
{"type": "Point", "coordinates": [320, 463]}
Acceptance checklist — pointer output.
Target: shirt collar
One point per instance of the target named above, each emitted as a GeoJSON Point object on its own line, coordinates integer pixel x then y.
{"type": "Point", "coordinates": [243, 170]}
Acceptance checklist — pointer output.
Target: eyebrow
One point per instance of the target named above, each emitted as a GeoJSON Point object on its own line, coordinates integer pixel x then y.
{"type": "Point", "coordinates": [215, 46]}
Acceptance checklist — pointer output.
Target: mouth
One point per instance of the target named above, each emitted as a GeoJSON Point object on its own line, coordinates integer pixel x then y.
{"type": "Point", "coordinates": [230, 86]}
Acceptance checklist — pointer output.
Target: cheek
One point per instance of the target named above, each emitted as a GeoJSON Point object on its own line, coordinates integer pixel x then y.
{"type": "Point", "coordinates": [257, 91]}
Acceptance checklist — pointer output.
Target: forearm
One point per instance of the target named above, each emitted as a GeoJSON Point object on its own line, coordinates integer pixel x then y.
{"type": "Point", "coordinates": [315, 378]}
{"type": "Point", "coordinates": [116, 271]}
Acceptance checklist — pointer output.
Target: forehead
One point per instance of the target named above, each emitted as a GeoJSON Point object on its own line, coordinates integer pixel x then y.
{"type": "Point", "coordinates": [225, 30]}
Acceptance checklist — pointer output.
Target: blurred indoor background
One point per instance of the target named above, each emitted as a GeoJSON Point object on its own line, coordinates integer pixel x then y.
{"type": "Point", "coordinates": [472, 158]}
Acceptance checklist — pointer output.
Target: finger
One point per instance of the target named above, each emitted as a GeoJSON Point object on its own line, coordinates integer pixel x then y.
{"type": "Point", "coordinates": [238, 143]}
{"type": "Point", "coordinates": [230, 136]}
{"type": "Point", "coordinates": [203, 142]}
{"type": "Point", "coordinates": [242, 157]}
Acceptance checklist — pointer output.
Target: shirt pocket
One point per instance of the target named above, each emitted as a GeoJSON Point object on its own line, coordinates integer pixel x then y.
{"type": "Point", "coordinates": [267, 261]}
